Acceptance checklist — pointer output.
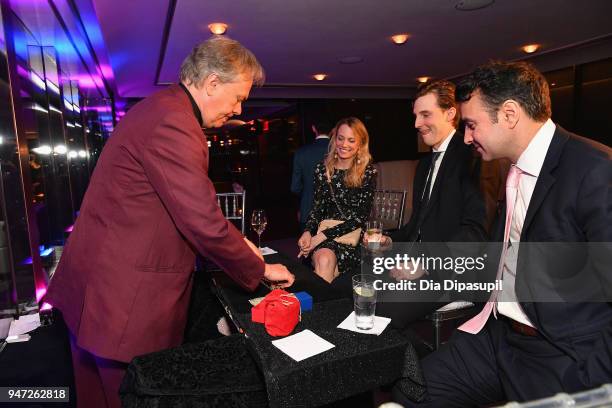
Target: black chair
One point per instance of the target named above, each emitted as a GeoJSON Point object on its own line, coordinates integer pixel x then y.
{"type": "Point", "coordinates": [452, 311]}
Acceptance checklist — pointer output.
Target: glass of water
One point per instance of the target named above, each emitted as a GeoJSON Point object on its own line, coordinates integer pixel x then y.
{"type": "Point", "coordinates": [364, 297]}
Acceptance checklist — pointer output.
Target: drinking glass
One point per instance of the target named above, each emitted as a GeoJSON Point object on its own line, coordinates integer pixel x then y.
{"type": "Point", "coordinates": [258, 223]}
{"type": "Point", "coordinates": [364, 300]}
{"type": "Point", "coordinates": [373, 234]}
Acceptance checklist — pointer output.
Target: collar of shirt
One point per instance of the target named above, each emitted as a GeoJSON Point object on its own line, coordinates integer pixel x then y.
{"type": "Point", "coordinates": [322, 137]}
{"type": "Point", "coordinates": [445, 143]}
{"type": "Point", "coordinates": [532, 158]}
{"type": "Point", "coordinates": [194, 105]}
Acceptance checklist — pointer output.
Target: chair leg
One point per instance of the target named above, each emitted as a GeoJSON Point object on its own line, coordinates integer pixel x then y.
{"type": "Point", "coordinates": [437, 326]}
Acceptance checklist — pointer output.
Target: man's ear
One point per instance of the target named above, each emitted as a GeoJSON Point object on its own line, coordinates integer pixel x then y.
{"type": "Point", "coordinates": [510, 113]}
{"type": "Point", "coordinates": [211, 84]}
{"type": "Point", "coordinates": [450, 114]}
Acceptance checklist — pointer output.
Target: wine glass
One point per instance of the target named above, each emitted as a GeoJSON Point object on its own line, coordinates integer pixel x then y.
{"type": "Point", "coordinates": [374, 234]}
{"type": "Point", "coordinates": [258, 223]}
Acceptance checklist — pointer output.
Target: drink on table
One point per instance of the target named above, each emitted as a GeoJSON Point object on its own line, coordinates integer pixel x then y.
{"type": "Point", "coordinates": [364, 297]}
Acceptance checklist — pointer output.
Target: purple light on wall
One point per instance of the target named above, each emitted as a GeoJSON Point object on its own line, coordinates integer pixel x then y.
{"type": "Point", "coordinates": [98, 109]}
{"type": "Point", "coordinates": [69, 229]}
{"type": "Point", "coordinates": [40, 292]}
{"type": "Point", "coordinates": [22, 72]}
{"type": "Point", "coordinates": [86, 81]}
{"type": "Point", "coordinates": [107, 71]}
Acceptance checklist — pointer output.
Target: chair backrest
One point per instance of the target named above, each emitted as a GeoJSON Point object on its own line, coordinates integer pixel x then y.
{"type": "Point", "coordinates": [233, 207]}
{"type": "Point", "coordinates": [398, 175]}
{"type": "Point", "coordinates": [388, 208]}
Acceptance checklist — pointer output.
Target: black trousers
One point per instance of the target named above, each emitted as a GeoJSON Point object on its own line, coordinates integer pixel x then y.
{"type": "Point", "coordinates": [493, 366]}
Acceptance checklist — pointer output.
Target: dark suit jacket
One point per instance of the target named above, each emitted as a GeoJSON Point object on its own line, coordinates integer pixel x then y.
{"type": "Point", "coordinates": [124, 281]}
{"type": "Point", "coordinates": [455, 211]}
{"type": "Point", "coordinates": [571, 203]}
{"type": "Point", "coordinates": [302, 182]}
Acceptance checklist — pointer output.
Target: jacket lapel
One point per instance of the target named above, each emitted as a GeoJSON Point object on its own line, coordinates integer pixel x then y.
{"type": "Point", "coordinates": [545, 180]}
{"type": "Point", "coordinates": [447, 158]}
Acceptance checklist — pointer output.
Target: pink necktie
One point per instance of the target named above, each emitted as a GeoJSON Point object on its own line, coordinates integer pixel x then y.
{"type": "Point", "coordinates": [476, 323]}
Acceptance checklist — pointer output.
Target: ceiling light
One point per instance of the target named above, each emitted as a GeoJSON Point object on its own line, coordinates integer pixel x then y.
{"type": "Point", "coordinates": [217, 28]}
{"type": "Point", "coordinates": [400, 39]}
{"type": "Point", "coordinates": [423, 79]}
{"type": "Point", "coordinates": [319, 77]}
{"type": "Point", "coordinates": [531, 48]}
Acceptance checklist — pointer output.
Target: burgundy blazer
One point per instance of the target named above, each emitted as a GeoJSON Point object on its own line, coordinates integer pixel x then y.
{"type": "Point", "coordinates": [124, 281]}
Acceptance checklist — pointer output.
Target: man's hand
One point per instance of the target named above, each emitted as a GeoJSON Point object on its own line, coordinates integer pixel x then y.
{"type": "Point", "coordinates": [278, 275]}
{"type": "Point", "coordinates": [254, 248]}
{"type": "Point", "coordinates": [411, 273]}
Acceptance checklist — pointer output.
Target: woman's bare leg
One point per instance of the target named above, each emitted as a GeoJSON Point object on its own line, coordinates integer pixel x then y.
{"type": "Point", "coordinates": [325, 264]}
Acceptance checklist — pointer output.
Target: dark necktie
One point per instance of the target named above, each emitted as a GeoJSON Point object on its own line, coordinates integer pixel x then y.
{"type": "Point", "coordinates": [425, 194]}
{"type": "Point", "coordinates": [426, 190]}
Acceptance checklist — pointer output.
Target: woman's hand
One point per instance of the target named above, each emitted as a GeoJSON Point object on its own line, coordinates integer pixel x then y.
{"type": "Point", "coordinates": [304, 243]}
{"type": "Point", "coordinates": [317, 240]}
{"type": "Point", "coordinates": [314, 242]}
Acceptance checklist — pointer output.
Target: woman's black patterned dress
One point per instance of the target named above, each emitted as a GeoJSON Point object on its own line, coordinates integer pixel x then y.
{"type": "Point", "coordinates": [355, 202]}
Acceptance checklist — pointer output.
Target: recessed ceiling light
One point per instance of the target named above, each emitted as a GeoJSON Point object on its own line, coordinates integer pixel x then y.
{"type": "Point", "coordinates": [469, 5]}
{"type": "Point", "coordinates": [400, 39]}
{"type": "Point", "coordinates": [217, 28]}
{"type": "Point", "coordinates": [531, 48]}
{"type": "Point", "coordinates": [350, 60]}
{"type": "Point", "coordinates": [319, 77]}
{"type": "Point", "coordinates": [423, 79]}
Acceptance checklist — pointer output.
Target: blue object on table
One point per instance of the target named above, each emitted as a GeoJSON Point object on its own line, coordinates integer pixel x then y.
{"type": "Point", "coordinates": [305, 301]}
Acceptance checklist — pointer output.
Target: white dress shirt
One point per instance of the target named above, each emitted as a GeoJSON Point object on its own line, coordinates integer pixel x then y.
{"type": "Point", "coordinates": [530, 162]}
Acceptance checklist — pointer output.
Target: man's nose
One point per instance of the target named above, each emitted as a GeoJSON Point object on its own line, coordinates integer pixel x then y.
{"type": "Point", "coordinates": [467, 137]}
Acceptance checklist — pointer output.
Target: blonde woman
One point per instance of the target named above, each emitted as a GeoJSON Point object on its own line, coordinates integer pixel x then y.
{"type": "Point", "coordinates": [344, 190]}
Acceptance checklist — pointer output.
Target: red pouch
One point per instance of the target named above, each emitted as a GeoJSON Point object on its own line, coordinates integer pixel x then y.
{"type": "Point", "coordinates": [279, 311]}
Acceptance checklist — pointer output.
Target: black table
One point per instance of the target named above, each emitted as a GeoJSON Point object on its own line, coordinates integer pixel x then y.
{"type": "Point", "coordinates": [357, 363]}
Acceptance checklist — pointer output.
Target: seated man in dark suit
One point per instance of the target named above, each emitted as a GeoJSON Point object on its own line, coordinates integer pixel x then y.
{"type": "Point", "coordinates": [447, 204]}
{"type": "Point", "coordinates": [522, 346]}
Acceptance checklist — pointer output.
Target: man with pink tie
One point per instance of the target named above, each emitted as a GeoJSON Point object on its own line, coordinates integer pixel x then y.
{"type": "Point", "coordinates": [524, 345]}
{"type": "Point", "coordinates": [124, 281]}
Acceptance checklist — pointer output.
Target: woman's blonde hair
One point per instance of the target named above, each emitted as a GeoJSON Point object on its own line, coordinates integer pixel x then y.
{"type": "Point", "coordinates": [354, 174]}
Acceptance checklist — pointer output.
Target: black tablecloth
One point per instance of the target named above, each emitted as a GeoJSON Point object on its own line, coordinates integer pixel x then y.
{"type": "Point", "coordinates": [357, 363]}
{"type": "Point", "coordinates": [305, 280]}
{"type": "Point", "coordinates": [43, 361]}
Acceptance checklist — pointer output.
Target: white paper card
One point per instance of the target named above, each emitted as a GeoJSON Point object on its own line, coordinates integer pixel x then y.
{"type": "Point", "coordinates": [256, 301]}
{"type": "Point", "coordinates": [268, 251]}
{"type": "Point", "coordinates": [24, 324]}
{"type": "Point", "coordinates": [302, 345]}
{"type": "Point", "coordinates": [380, 324]}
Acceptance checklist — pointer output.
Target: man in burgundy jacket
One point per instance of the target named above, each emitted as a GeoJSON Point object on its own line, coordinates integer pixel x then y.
{"type": "Point", "coordinates": [124, 281]}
